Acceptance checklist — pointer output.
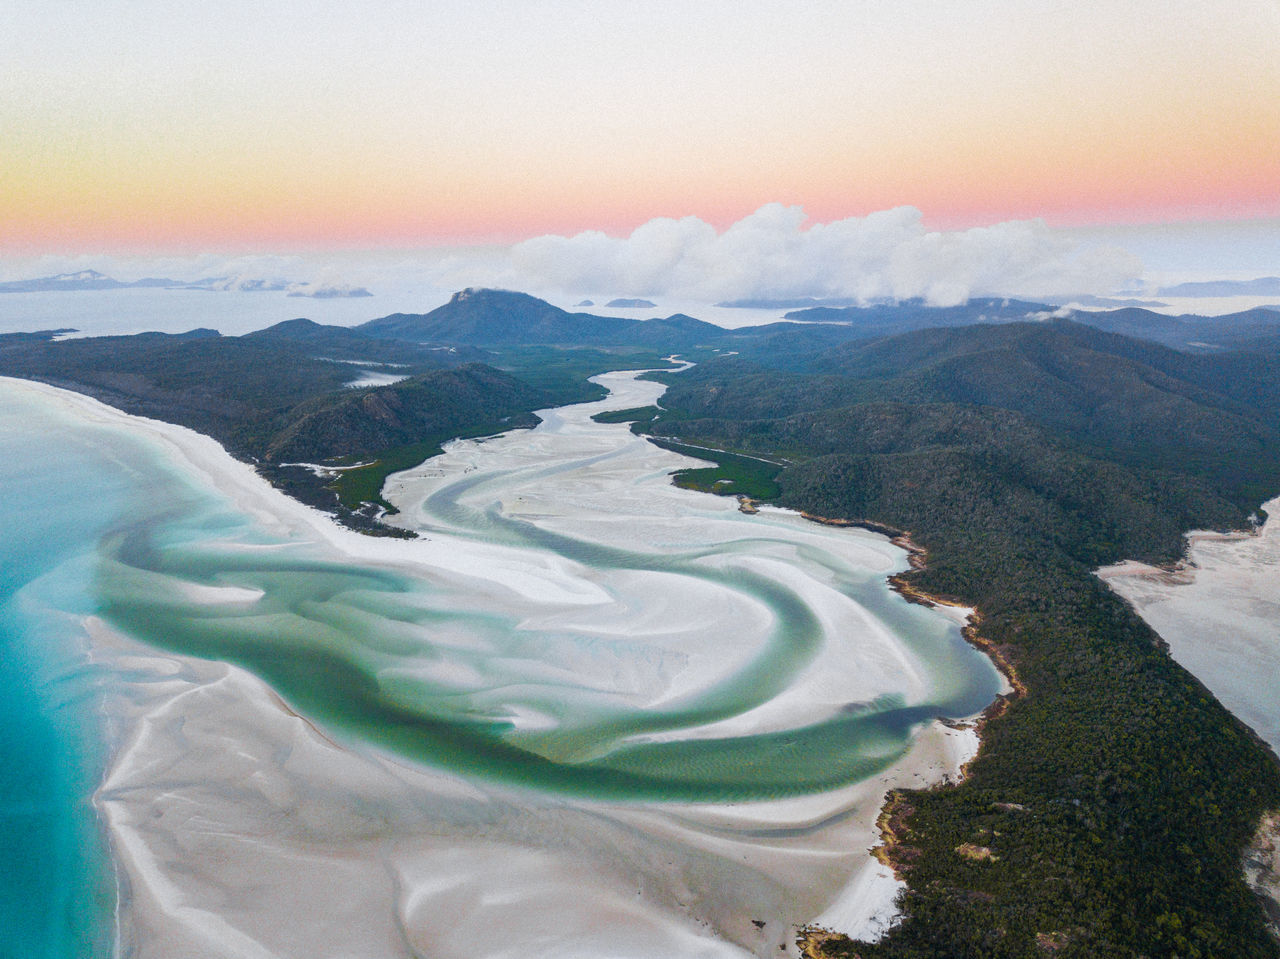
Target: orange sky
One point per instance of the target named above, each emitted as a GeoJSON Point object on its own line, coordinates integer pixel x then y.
{"type": "Point", "coordinates": [142, 127]}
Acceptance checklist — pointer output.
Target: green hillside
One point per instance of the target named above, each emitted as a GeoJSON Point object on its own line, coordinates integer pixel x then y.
{"type": "Point", "coordinates": [1115, 796]}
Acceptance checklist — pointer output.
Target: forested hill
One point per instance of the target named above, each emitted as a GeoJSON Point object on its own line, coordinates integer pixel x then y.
{"type": "Point", "coordinates": [284, 395]}
{"type": "Point", "coordinates": [280, 395]}
{"type": "Point", "coordinates": [1189, 332]}
{"type": "Point", "coordinates": [499, 318]}
{"type": "Point", "coordinates": [503, 317]}
{"type": "Point", "coordinates": [1114, 798]}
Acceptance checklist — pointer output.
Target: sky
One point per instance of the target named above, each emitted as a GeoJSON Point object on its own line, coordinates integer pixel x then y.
{"type": "Point", "coordinates": [176, 126]}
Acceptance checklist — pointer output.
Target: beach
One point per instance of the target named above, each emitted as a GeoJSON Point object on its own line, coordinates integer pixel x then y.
{"type": "Point", "coordinates": [243, 823]}
{"type": "Point", "coordinates": [1219, 613]}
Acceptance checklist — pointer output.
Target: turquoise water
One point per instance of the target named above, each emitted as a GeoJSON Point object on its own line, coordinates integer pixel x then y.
{"type": "Point", "coordinates": [62, 490]}
{"type": "Point", "coordinates": [96, 521]}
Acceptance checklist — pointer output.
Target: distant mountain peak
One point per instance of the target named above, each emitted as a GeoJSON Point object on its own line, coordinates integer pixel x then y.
{"type": "Point", "coordinates": [489, 317]}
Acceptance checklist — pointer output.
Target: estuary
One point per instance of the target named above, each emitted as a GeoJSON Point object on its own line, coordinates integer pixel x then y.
{"type": "Point", "coordinates": [584, 713]}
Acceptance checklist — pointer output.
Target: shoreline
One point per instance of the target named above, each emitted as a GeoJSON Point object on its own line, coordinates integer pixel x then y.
{"type": "Point", "coordinates": [931, 758]}
{"type": "Point", "coordinates": [1214, 612]}
{"type": "Point", "coordinates": [892, 851]}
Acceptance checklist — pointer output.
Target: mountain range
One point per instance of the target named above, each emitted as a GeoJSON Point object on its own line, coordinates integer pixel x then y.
{"type": "Point", "coordinates": [89, 280]}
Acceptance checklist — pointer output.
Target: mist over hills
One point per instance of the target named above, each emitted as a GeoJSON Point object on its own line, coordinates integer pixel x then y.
{"type": "Point", "coordinates": [1261, 286]}
{"type": "Point", "coordinates": [1183, 332]}
{"type": "Point", "coordinates": [242, 389]}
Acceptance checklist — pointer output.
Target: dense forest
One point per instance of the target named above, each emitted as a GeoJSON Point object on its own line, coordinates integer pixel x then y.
{"type": "Point", "coordinates": [1109, 804]}
{"type": "Point", "coordinates": [1107, 810]}
{"type": "Point", "coordinates": [280, 397]}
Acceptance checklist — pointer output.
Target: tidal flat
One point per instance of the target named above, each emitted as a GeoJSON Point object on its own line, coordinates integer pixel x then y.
{"type": "Point", "coordinates": [1219, 612]}
{"type": "Point", "coordinates": [585, 713]}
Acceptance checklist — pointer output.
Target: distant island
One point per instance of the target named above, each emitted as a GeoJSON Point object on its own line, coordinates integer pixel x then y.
{"type": "Point", "coordinates": [330, 292]}
{"type": "Point", "coordinates": [631, 304]}
{"type": "Point", "coordinates": [85, 280]}
{"type": "Point", "coordinates": [92, 280]}
{"type": "Point", "coordinates": [791, 303]}
{"type": "Point", "coordinates": [1262, 286]}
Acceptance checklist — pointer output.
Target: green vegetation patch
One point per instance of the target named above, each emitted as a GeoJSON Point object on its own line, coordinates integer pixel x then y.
{"type": "Point", "coordinates": [733, 474]}
{"type": "Point", "coordinates": [563, 372]}
{"type": "Point", "coordinates": [636, 414]}
{"type": "Point", "coordinates": [1115, 797]}
{"type": "Point", "coordinates": [363, 484]}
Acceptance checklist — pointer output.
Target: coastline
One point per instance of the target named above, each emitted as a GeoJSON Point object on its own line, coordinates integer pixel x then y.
{"type": "Point", "coordinates": [225, 712]}
{"type": "Point", "coordinates": [892, 850]}
{"type": "Point", "coordinates": [1261, 864]}
{"type": "Point", "coordinates": [1215, 610]}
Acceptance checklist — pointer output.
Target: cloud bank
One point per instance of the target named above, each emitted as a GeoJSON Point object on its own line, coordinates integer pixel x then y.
{"type": "Point", "coordinates": [775, 252]}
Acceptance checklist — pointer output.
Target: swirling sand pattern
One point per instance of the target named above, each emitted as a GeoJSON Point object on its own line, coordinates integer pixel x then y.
{"type": "Point", "coordinates": [514, 736]}
{"type": "Point", "coordinates": [526, 689]}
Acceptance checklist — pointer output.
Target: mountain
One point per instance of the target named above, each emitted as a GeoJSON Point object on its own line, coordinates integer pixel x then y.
{"type": "Point", "coordinates": [1108, 302]}
{"type": "Point", "coordinates": [93, 280]}
{"type": "Point", "coordinates": [352, 345]}
{"type": "Point", "coordinates": [1108, 391]}
{"type": "Point", "coordinates": [1186, 331]}
{"type": "Point", "coordinates": [887, 318]}
{"type": "Point", "coordinates": [506, 318]}
{"type": "Point", "coordinates": [1262, 286]}
{"type": "Point", "coordinates": [792, 303]}
{"type": "Point", "coordinates": [83, 280]}
{"type": "Point", "coordinates": [239, 390]}
{"type": "Point", "coordinates": [328, 292]}
{"type": "Point", "coordinates": [367, 422]}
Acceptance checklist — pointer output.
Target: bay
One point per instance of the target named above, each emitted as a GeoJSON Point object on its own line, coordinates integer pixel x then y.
{"type": "Point", "coordinates": [659, 679]}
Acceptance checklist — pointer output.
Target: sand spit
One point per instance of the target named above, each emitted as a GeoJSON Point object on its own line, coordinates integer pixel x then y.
{"type": "Point", "coordinates": [1219, 613]}
{"type": "Point", "coordinates": [241, 829]}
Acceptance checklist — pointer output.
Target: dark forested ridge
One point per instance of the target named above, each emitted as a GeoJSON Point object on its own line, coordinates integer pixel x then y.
{"type": "Point", "coordinates": [279, 396]}
{"type": "Point", "coordinates": [1188, 332]}
{"type": "Point", "coordinates": [504, 317]}
{"type": "Point", "coordinates": [1116, 795]}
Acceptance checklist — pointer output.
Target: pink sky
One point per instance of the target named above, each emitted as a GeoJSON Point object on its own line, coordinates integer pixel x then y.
{"type": "Point", "coordinates": [142, 127]}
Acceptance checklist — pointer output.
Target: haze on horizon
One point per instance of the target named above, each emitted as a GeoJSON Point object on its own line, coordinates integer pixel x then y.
{"type": "Point", "coordinates": [154, 126]}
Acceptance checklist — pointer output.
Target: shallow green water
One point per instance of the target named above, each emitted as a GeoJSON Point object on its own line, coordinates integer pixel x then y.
{"type": "Point", "coordinates": [447, 669]}
{"type": "Point", "coordinates": [377, 654]}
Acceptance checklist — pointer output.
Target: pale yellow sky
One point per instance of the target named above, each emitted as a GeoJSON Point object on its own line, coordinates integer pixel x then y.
{"type": "Point", "coordinates": [152, 124]}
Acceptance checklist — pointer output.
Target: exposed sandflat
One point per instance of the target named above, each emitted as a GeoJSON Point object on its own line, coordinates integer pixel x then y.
{"type": "Point", "coordinates": [242, 830]}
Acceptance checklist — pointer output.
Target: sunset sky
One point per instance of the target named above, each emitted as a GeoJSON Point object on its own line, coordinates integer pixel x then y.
{"type": "Point", "coordinates": [177, 125]}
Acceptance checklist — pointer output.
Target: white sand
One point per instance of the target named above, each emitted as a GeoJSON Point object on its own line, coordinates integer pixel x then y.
{"type": "Point", "coordinates": [241, 830]}
{"type": "Point", "coordinates": [1220, 614]}
{"type": "Point", "coordinates": [1262, 868]}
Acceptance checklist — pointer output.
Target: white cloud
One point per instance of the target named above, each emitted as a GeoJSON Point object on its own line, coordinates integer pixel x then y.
{"type": "Point", "coordinates": [775, 252]}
